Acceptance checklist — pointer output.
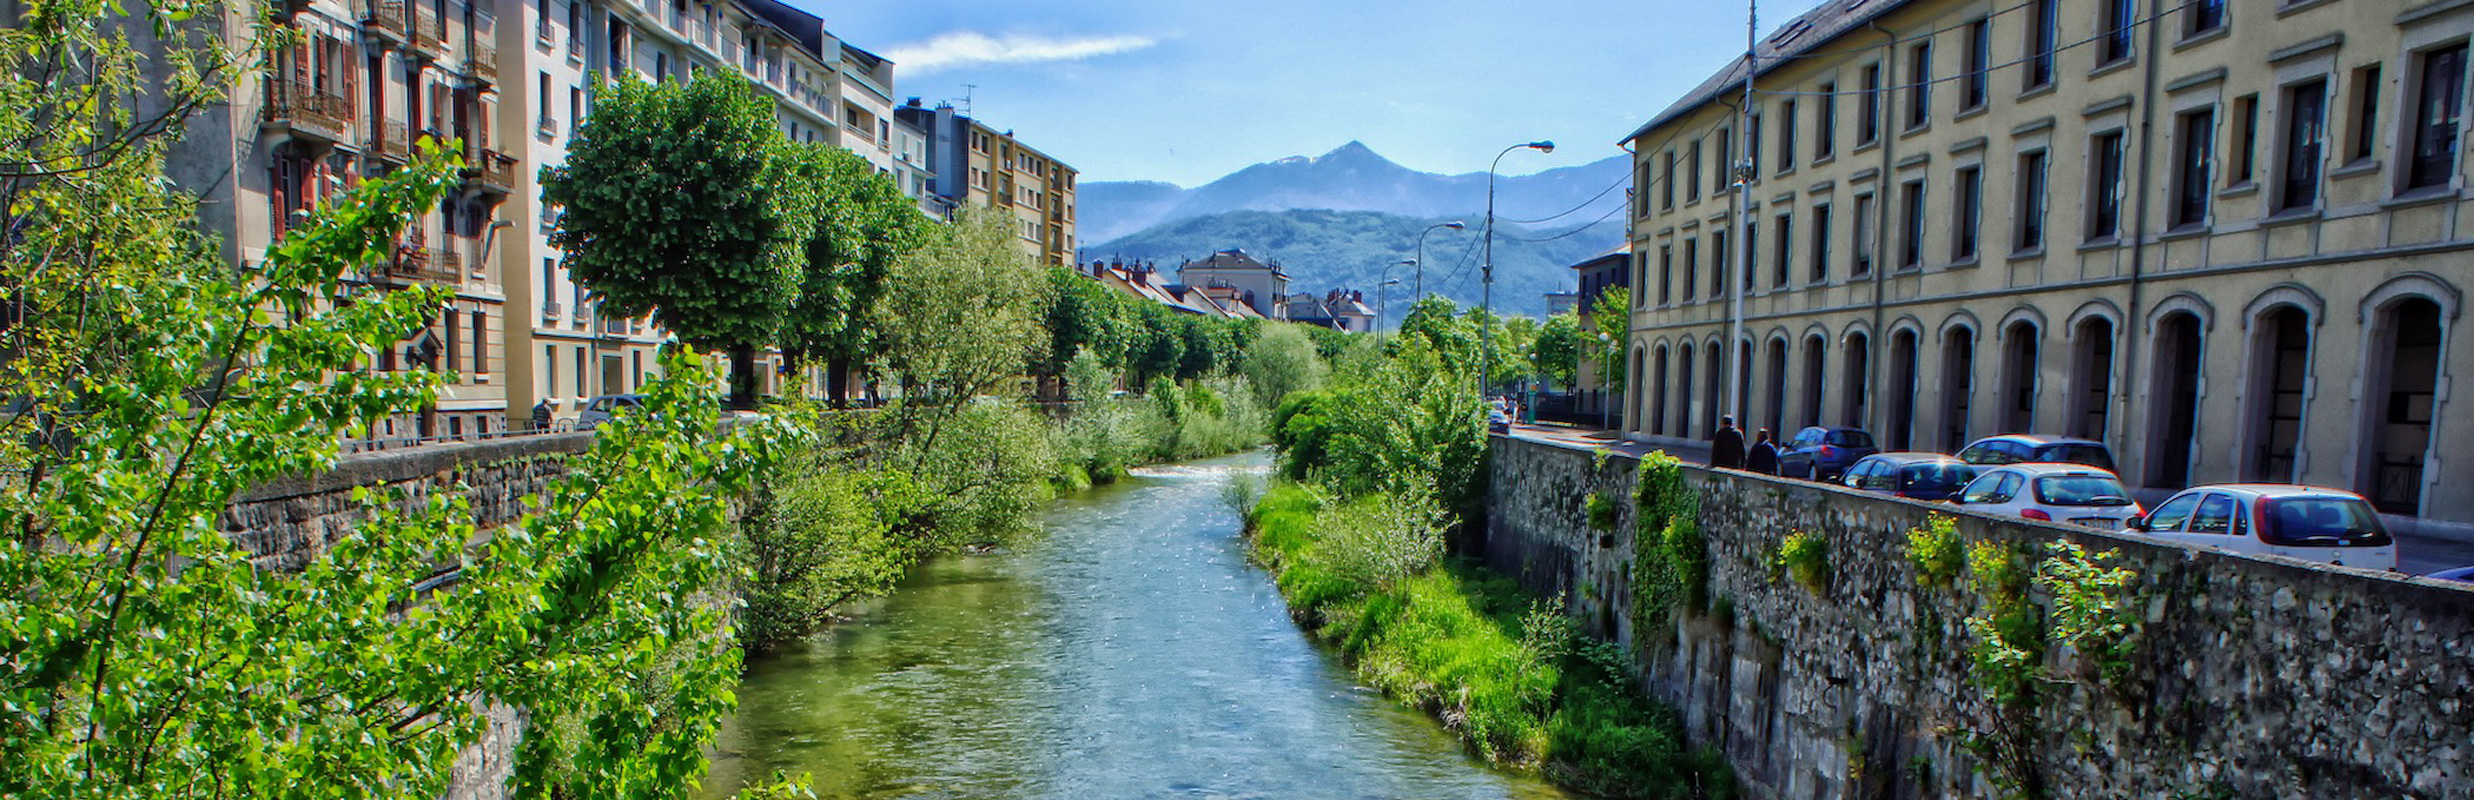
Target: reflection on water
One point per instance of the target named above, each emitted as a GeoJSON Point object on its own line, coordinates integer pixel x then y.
{"type": "Point", "coordinates": [1130, 653]}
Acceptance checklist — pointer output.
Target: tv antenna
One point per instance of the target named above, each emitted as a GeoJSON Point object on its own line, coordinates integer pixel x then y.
{"type": "Point", "coordinates": [967, 90]}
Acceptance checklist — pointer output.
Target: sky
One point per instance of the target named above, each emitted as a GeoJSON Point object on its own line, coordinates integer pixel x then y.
{"type": "Point", "coordinates": [1185, 92]}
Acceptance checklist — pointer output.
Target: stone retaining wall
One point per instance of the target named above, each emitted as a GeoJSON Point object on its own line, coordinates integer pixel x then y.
{"type": "Point", "coordinates": [2252, 677]}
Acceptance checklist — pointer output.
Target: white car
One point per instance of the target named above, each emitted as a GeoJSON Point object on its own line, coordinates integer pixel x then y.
{"type": "Point", "coordinates": [2074, 493]}
{"type": "Point", "coordinates": [2305, 522]}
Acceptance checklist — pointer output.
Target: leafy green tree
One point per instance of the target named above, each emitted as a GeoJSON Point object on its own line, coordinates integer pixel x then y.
{"type": "Point", "coordinates": [1158, 345]}
{"type": "Point", "coordinates": [1084, 316]}
{"type": "Point", "coordinates": [864, 225]}
{"type": "Point", "coordinates": [1283, 361]}
{"type": "Point", "coordinates": [1613, 316]}
{"type": "Point", "coordinates": [677, 204]}
{"type": "Point", "coordinates": [1438, 325]}
{"type": "Point", "coordinates": [1556, 352]}
{"type": "Point", "coordinates": [961, 319]}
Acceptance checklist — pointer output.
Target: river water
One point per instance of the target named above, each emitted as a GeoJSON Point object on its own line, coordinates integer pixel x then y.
{"type": "Point", "coordinates": [1130, 652]}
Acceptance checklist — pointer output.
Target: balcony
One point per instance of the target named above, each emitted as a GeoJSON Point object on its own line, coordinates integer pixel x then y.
{"type": "Point", "coordinates": [385, 20]}
{"type": "Point", "coordinates": [490, 170]}
{"type": "Point", "coordinates": [393, 142]}
{"type": "Point", "coordinates": [416, 263]}
{"type": "Point", "coordinates": [481, 62]}
{"type": "Point", "coordinates": [428, 32]}
{"type": "Point", "coordinates": [306, 112]}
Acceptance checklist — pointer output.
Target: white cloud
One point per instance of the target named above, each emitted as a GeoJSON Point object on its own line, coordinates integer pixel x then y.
{"type": "Point", "coordinates": [969, 48]}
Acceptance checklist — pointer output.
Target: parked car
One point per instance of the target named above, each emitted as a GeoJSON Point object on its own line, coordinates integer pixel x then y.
{"type": "Point", "coordinates": [1823, 454]}
{"type": "Point", "coordinates": [2036, 448]}
{"type": "Point", "coordinates": [1497, 421]}
{"type": "Point", "coordinates": [2306, 522]}
{"type": "Point", "coordinates": [2464, 574]}
{"type": "Point", "coordinates": [601, 409]}
{"type": "Point", "coordinates": [1921, 476]}
{"type": "Point", "coordinates": [2073, 493]}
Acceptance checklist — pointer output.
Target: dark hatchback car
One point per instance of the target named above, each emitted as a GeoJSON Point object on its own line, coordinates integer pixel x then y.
{"type": "Point", "coordinates": [2031, 448]}
{"type": "Point", "coordinates": [1823, 454]}
{"type": "Point", "coordinates": [1919, 476]}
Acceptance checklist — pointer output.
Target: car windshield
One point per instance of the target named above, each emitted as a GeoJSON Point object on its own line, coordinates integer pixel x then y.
{"type": "Point", "coordinates": [2321, 522]}
{"type": "Point", "coordinates": [2089, 454]}
{"type": "Point", "coordinates": [1935, 477]}
{"type": "Point", "coordinates": [2081, 490]}
{"type": "Point", "coordinates": [1848, 438]}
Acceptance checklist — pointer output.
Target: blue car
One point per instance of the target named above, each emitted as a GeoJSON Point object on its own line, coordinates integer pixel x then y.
{"type": "Point", "coordinates": [1824, 454]}
{"type": "Point", "coordinates": [2464, 574]}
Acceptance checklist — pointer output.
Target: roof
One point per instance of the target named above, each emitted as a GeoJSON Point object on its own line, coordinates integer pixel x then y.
{"type": "Point", "coordinates": [2037, 439]}
{"type": "Point", "coordinates": [1619, 253]}
{"type": "Point", "coordinates": [1832, 19]}
{"type": "Point", "coordinates": [1235, 258]}
{"type": "Point", "coordinates": [808, 29]}
{"type": "Point", "coordinates": [2277, 490]}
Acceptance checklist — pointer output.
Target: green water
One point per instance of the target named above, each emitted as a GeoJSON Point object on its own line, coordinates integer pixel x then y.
{"type": "Point", "coordinates": [1131, 652]}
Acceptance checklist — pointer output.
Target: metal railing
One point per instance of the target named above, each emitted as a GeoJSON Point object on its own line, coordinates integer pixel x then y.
{"type": "Point", "coordinates": [385, 16]}
{"type": "Point", "coordinates": [428, 32]}
{"type": "Point", "coordinates": [297, 105]}
{"type": "Point", "coordinates": [481, 61]}
{"type": "Point", "coordinates": [393, 141]}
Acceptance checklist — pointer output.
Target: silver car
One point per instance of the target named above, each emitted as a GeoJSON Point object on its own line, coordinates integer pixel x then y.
{"type": "Point", "coordinates": [2305, 522]}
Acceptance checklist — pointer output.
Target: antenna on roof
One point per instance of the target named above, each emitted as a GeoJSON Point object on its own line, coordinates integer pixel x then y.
{"type": "Point", "coordinates": [967, 90]}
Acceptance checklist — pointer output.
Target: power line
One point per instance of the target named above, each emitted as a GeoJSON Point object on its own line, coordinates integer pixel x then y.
{"type": "Point", "coordinates": [1568, 234]}
{"type": "Point", "coordinates": [1619, 181]}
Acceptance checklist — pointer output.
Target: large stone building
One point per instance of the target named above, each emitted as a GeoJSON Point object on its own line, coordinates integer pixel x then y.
{"type": "Point", "coordinates": [2226, 238]}
{"type": "Point", "coordinates": [976, 165]}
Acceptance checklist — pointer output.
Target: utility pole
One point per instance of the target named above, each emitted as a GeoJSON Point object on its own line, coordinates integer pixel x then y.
{"type": "Point", "coordinates": [1744, 170]}
{"type": "Point", "coordinates": [1486, 302]}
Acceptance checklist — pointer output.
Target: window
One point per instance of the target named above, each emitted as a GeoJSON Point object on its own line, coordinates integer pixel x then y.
{"type": "Point", "coordinates": [2031, 202]}
{"type": "Point", "coordinates": [1825, 122]}
{"type": "Point", "coordinates": [2366, 113]}
{"type": "Point", "coordinates": [1821, 245]}
{"type": "Point", "coordinates": [1752, 254]}
{"type": "Point", "coordinates": [1725, 165]}
{"type": "Point", "coordinates": [2169, 516]}
{"type": "Point", "coordinates": [541, 15]}
{"type": "Point", "coordinates": [1979, 63]}
{"type": "Point", "coordinates": [579, 373]}
{"type": "Point", "coordinates": [2246, 140]}
{"type": "Point", "coordinates": [1666, 191]}
{"type": "Point", "coordinates": [455, 343]}
{"type": "Point", "coordinates": [2204, 16]}
{"type": "Point", "coordinates": [1919, 85]}
{"type": "Point", "coordinates": [575, 27]}
{"type": "Point", "coordinates": [1786, 135]}
{"type": "Point", "coordinates": [661, 74]}
{"type": "Point", "coordinates": [1785, 254]}
{"type": "Point", "coordinates": [549, 278]}
{"type": "Point", "coordinates": [2119, 16]}
{"type": "Point", "coordinates": [2043, 26]}
{"type": "Point", "coordinates": [1752, 147]}
{"type": "Point", "coordinates": [2215, 515]}
{"type": "Point", "coordinates": [2104, 186]}
{"type": "Point", "coordinates": [1666, 274]}
{"type": "Point", "coordinates": [1692, 173]}
{"type": "Point", "coordinates": [1692, 269]}
{"type": "Point", "coordinates": [480, 343]}
{"type": "Point", "coordinates": [549, 368]}
{"type": "Point", "coordinates": [2439, 102]}
{"type": "Point", "coordinates": [548, 121]}
{"type": "Point", "coordinates": [2306, 122]}
{"type": "Point", "coordinates": [575, 105]}
{"type": "Point", "coordinates": [1863, 236]}
{"type": "Point", "coordinates": [2195, 132]}
{"type": "Point", "coordinates": [1967, 212]}
{"type": "Point", "coordinates": [1868, 117]}
{"type": "Point", "coordinates": [1720, 260]}
{"type": "Point", "coordinates": [1911, 225]}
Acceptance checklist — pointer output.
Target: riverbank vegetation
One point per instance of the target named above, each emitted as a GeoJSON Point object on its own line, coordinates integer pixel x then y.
{"type": "Point", "coordinates": [1376, 470]}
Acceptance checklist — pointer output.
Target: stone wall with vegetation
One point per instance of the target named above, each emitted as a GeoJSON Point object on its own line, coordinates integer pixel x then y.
{"type": "Point", "coordinates": [286, 524]}
{"type": "Point", "coordinates": [1845, 645]}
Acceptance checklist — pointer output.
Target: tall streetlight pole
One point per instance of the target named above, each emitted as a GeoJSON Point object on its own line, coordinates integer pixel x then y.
{"type": "Point", "coordinates": [1743, 169]}
{"type": "Point", "coordinates": [1383, 303]}
{"type": "Point", "coordinates": [1486, 300]}
{"type": "Point", "coordinates": [1420, 289]}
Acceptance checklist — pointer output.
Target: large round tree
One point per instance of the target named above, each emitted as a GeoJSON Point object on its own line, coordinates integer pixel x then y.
{"type": "Point", "coordinates": [676, 205]}
{"type": "Point", "coordinates": [861, 224]}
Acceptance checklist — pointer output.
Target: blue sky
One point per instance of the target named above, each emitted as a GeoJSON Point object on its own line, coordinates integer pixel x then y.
{"type": "Point", "coordinates": [1186, 91]}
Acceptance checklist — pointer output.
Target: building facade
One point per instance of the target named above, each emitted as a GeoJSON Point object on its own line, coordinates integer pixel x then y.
{"type": "Point", "coordinates": [1610, 270]}
{"type": "Point", "coordinates": [976, 165]}
{"type": "Point", "coordinates": [2228, 239]}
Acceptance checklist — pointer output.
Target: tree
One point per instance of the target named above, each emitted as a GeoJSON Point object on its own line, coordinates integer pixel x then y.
{"type": "Point", "coordinates": [677, 204]}
{"type": "Point", "coordinates": [1283, 361]}
{"type": "Point", "coordinates": [961, 318]}
{"type": "Point", "coordinates": [1158, 345]}
{"type": "Point", "coordinates": [1556, 352]}
{"type": "Point", "coordinates": [1613, 317]}
{"type": "Point", "coordinates": [863, 226]}
{"type": "Point", "coordinates": [1436, 324]}
{"type": "Point", "coordinates": [1084, 316]}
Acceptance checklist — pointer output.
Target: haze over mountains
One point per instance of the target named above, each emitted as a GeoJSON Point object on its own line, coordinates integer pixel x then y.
{"type": "Point", "coordinates": [1351, 178]}
{"type": "Point", "coordinates": [1341, 219]}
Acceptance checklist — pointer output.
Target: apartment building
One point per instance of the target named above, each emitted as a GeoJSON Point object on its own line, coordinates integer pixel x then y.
{"type": "Point", "coordinates": [981, 166]}
{"type": "Point", "coordinates": [364, 81]}
{"type": "Point", "coordinates": [2228, 239]}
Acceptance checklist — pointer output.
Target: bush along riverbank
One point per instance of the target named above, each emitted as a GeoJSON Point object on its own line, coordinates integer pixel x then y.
{"type": "Point", "coordinates": [1375, 470]}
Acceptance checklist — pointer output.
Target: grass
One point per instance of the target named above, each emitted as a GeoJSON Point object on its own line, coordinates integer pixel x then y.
{"type": "Point", "coordinates": [1472, 647]}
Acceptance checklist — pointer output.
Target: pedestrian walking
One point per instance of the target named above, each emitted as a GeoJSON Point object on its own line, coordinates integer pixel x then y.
{"type": "Point", "coordinates": [1726, 447]}
{"type": "Point", "coordinates": [541, 415]}
{"type": "Point", "coordinates": [1763, 458]}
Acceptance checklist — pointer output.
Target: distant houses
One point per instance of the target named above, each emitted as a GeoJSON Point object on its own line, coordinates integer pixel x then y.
{"type": "Point", "coordinates": [1235, 285]}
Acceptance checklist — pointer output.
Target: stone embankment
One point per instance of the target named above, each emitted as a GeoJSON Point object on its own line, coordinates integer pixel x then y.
{"type": "Point", "coordinates": [2248, 677]}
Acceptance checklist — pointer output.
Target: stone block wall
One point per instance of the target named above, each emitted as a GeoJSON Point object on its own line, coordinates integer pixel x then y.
{"type": "Point", "coordinates": [2251, 677]}
{"type": "Point", "coordinates": [288, 523]}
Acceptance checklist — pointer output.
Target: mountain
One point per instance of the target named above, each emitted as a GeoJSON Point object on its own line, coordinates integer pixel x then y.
{"type": "Point", "coordinates": [1351, 178]}
{"type": "Point", "coordinates": [1323, 249]}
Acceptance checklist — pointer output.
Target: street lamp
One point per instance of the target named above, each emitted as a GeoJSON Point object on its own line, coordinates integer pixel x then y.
{"type": "Point", "coordinates": [1421, 252]}
{"type": "Point", "coordinates": [1486, 301]}
{"type": "Point", "coordinates": [1606, 417]}
{"type": "Point", "coordinates": [1383, 302]}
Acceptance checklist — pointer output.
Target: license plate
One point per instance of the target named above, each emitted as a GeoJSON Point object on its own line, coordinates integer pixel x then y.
{"type": "Point", "coordinates": [2098, 522]}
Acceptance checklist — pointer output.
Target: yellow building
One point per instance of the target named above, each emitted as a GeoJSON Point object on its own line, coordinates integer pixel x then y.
{"type": "Point", "coordinates": [2228, 240]}
{"type": "Point", "coordinates": [981, 166]}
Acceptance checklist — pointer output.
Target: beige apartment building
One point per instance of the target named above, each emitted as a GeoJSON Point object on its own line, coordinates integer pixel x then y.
{"type": "Point", "coordinates": [2229, 239]}
{"type": "Point", "coordinates": [977, 165]}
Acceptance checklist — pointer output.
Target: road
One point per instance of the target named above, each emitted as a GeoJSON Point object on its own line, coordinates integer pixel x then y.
{"type": "Point", "coordinates": [2422, 548]}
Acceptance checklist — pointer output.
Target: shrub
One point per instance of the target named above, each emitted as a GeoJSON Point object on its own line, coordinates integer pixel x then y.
{"type": "Point", "coordinates": [1936, 551]}
{"type": "Point", "coordinates": [1602, 511]}
{"type": "Point", "coordinates": [1805, 557]}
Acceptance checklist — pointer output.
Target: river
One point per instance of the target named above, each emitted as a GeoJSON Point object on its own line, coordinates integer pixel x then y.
{"type": "Point", "coordinates": [1130, 652]}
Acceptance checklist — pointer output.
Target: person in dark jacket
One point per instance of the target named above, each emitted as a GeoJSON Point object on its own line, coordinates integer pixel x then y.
{"type": "Point", "coordinates": [1726, 447]}
{"type": "Point", "coordinates": [1763, 458]}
